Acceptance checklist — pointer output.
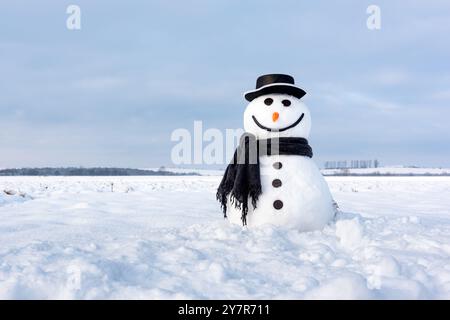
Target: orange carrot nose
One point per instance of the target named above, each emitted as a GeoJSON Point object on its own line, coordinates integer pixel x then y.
{"type": "Point", "coordinates": [275, 116]}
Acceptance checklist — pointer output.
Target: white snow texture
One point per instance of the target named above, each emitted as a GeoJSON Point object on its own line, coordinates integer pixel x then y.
{"type": "Point", "coordinates": [164, 237]}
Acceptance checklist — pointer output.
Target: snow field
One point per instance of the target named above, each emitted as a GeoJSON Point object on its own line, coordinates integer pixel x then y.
{"type": "Point", "coordinates": [164, 237]}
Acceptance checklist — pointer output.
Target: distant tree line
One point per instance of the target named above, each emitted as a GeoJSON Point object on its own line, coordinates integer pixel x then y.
{"type": "Point", "coordinates": [352, 164]}
{"type": "Point", "coordinates": [89, 172]}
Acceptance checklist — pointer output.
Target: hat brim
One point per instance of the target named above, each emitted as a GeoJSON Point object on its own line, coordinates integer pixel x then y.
{"type": "Point", "coordinates": [275, 88]}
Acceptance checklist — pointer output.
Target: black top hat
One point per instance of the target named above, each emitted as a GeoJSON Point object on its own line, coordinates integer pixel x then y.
{"type": "Point", "coordinates": [274, 83]}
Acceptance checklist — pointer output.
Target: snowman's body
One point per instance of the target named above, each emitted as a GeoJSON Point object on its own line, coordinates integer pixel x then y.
{"type": "Point", "coordinates": [306, 200]}
{"type": "Point", "coordinates": [294, 192]}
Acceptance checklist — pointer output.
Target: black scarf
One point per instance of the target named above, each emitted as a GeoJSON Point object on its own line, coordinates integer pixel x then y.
{"type": "Point", "coordinates": [242, 177]}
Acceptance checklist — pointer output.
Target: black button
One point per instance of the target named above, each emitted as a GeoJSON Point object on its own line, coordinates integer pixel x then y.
{"type": "Point", "coordinates": [276, 183]}
{"type": "Point", "coordinates": [277, 165]}
{"type": "Point", "coordinates": [278, 204]}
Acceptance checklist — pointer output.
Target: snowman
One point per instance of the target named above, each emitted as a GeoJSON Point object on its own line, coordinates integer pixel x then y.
{"type": "Point", "coordinates": [272, 178]}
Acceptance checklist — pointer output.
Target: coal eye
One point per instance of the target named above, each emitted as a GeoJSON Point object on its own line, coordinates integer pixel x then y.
{"type": "Point", "coordinates": [286, 103]}
{"type": "Point", "coordinates": [268, 101]}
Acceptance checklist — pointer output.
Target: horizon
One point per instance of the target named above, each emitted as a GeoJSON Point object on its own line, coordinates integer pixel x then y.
{"type": "Point", "coordinates": [162, 167]}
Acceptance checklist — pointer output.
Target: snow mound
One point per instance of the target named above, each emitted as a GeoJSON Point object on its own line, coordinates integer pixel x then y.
{"type": "Point", "coordinates": [12, 197]}
{"type": "Point", "coordinates": [346, 287]}
{"type": "Point", "coordinates": [350, 233]}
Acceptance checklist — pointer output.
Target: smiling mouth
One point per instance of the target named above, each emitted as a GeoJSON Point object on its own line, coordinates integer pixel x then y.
{"type": "Point", "coordinates": [281, 129]}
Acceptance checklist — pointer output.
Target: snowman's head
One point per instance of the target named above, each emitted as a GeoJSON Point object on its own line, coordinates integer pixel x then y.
{"type": "Point", "coordinates": [277, 115]}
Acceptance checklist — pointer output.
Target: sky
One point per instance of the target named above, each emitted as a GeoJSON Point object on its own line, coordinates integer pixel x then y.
{"type": "Point", "coordinates": [111, 93]}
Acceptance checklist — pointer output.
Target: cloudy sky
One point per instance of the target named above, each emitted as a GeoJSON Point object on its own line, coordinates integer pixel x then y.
{"type": "Point", "coordinates": [111, 93]}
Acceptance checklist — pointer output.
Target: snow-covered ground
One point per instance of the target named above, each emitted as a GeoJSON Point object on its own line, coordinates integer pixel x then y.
{"type": "Point", "coordinates": [164, 237]}
{"type": "Point", "coordinates": [202, 172]}
{"type": "Point", "coordinates": [388, 171]}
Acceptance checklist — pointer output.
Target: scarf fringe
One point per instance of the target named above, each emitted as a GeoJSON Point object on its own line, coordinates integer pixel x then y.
{"type": "Point", "coordinates": [241, 205]}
